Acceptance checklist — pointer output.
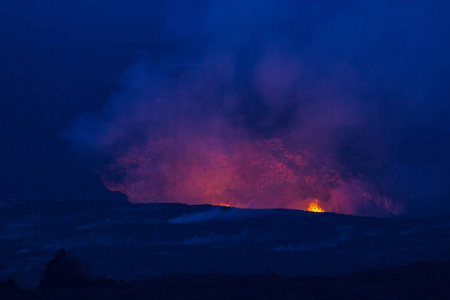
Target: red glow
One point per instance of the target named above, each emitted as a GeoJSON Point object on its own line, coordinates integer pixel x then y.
{"type": "Point", "coordinates": [258, 173]}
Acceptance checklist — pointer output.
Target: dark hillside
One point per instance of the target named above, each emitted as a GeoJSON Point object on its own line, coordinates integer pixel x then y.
{"type": "Point", "coordinates": [426, 280]}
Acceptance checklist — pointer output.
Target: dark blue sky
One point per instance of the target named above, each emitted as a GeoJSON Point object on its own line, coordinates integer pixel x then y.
{"type": "Point", "coordinates": [61, 60]}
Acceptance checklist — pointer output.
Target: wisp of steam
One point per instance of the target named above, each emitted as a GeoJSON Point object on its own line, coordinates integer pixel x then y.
{"type": "Point", "coordinates": [250, 111]}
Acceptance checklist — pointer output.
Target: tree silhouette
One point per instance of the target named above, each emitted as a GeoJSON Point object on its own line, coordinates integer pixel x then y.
{"type": "Point", "coordinates": [64, 271]}
{"type": "Point", "coordinates": [9, 285]}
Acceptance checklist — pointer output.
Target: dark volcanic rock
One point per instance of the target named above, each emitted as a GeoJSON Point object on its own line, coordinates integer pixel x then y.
{"type": "Point", "coordinates": [140, 241]}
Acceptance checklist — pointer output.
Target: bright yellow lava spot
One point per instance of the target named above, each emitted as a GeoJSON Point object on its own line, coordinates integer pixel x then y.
{"type": "Point", "coordinates": [314, 206]}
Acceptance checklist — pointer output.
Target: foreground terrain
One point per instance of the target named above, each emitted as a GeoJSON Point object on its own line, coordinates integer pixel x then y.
{"type": "Point", "coordinates": [416, 281]}
{"type": "Point", "coordinates": [134, 242]}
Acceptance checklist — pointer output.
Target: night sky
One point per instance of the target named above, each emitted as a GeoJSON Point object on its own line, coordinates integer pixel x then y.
{"type": "Point", "coordinates": [249, 103]}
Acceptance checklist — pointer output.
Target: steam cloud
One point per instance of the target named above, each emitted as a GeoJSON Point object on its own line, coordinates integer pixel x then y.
{"type": "Point", "coordinates": [251, 112]}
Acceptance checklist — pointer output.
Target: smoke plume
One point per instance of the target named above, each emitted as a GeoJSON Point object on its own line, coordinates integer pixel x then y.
{"type": "Point", "coordinates": [254, 109]}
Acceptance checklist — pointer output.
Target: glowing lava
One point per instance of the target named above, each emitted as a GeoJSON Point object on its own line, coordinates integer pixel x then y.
{"type": "Point", "coordinates": [314, 206]}
{"type": "Point", "coordinates": [246, 173]}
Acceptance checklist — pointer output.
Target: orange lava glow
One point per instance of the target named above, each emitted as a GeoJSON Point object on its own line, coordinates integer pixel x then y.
{"type": "Point", "coordinates": [245, 173]}
{"type": "Point", "coordinates": [260, 173]}
{"type": "Point", "coordinates": [315, 207]}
